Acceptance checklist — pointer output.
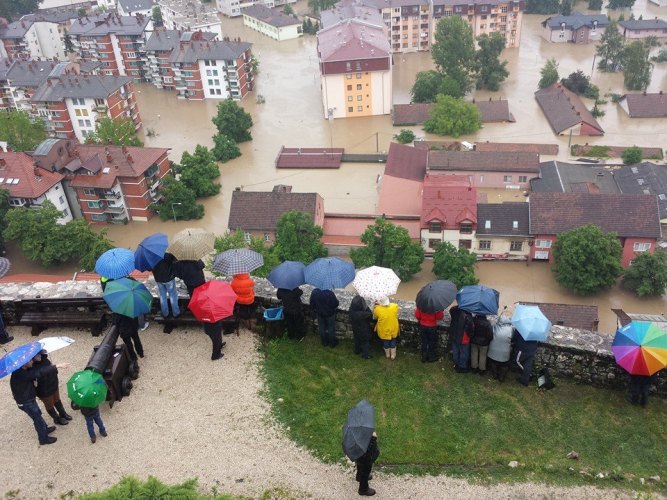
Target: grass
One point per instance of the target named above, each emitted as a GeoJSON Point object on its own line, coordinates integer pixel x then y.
{"type": "Point", "coordinates": [432, 420]}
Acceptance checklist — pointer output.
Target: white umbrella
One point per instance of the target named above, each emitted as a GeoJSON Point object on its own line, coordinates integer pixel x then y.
{"type": "Point", "coordinates": [376, 282]}
{"type": "Point", "coordinates": [50, 344]}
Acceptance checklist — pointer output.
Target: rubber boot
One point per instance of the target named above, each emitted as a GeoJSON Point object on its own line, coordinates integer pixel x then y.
{"type": "Point", "coordinates": [61, 411]}
{"type": "Point", "coordinates": [56, 418]}
{"type": "Point", "coordinates": [392, 351]}
{"type": "Point", "coordinates": [387, 353]}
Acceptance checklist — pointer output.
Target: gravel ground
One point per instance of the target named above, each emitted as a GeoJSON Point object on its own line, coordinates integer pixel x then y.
{"type": "Point", "coordinates": [190, 417]}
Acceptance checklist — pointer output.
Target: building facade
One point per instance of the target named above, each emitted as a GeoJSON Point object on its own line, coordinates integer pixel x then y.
{"type": "Point", "coordinates": [272, 23]}
{"type": "Point", "coordinates": [638, 29]}
{"type": "Point", "coordinates": [190, 15]}
{"type": "Point", "coordinates": [575, 28]}
{"type": "Point", "coordinates": [32, 40]}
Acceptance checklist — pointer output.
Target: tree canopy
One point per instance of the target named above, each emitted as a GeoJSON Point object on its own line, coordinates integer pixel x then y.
{"type": "Point", "coordinates": [454, 117]}
{"type": "Point", "coordinates": [587, 260]}
{"type": "Point", "coordinates": [542, 6]}
{"type": "Point", "coordinates": [156, 16]}
{"type": "Point", "coordinates": [197, 172]}
{"type": "Point", "coordinates": [298, 238]}
{"type": "Point", "coordinates": [455, 264]}
{"type": "Point", "coordinates": [610, 48]}
{"type": "Point", "coordinates": [577, 82]}
{"type": "Point", "coordinates": [620, 4]}
{"type": "Point", "coordinates": [224, 148]}
{"type": "Point", "coordinates": [632, 155]}
{"type": "Point", "coordinates": [428, 84]}
{"type": "Point", "coordinates": [4, 207]}
{"type": "Point", "coordinates": [548, 73]}
{"type": "Point", "coordinates": [637, 65]}
{"type": "Point", "coordinates": [454, 51]}
{"type": "Point", "coordinates": [389, 245]}
{"type": "Point", "coordinates": [14, 9]}
{"type": "Point", "coordinates": [491, 72]}
{"type": "Point", "coordinates": [235, 239]}
{"type": "Point", "coordinates": [21, 131]}
{"type": "Point", "coordinates": [647, 274]}
{"type": "Point", "coordinates": [233, 121]}
{"type": "Point", "coordinates": [177, 199]}
{"type": "Point", "coordinates": [405, 136]}
{"type": "Point", "coordinates": [317, 6]}
{"type": "Point", "coordinates": [120, 132]}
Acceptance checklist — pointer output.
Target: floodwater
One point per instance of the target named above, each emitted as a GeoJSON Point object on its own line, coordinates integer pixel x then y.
{"type": "Point", "coordinates": [292, 115]}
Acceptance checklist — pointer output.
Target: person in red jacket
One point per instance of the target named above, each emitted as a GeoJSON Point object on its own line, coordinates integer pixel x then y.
{"type": "Point", "coordinates": [429, 334]}
{"type": "Point", "coordinates": [244, 287]}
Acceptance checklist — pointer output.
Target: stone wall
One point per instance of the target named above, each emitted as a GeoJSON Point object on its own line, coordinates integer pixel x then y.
{"type": "Point", "coordinates": [579, 355]}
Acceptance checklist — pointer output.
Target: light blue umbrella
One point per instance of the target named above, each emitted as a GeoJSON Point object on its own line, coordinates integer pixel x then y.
{"type": "Point", "coordinates": [288, 274]}
{"type": "Point", "coordinates": [530, 322]}
{"type": "Point", "coordinates": [326, 273]}
{"type": "Point", "coordinates": [478, 299]}
{"type": "Point", "coordinates": [115, 263]}
{"type": "Point", "coordinates": [150, 251]}
{"type": "Point", "coordinates": [18, 357]}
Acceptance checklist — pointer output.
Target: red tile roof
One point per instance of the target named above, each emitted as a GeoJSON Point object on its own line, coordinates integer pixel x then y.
{"type": "Point", "coordinates": [418, 112]}
{"type": "Point", "coordinates": [564, 109]}
{"type": "Point", "coordinates": [571, 315]}
{"type": "Point", "coordinates": [21, 167]}
{"type": "Point", "coordinates": [449, 199]}
{"type": "Point", "coordinates": [645, 105]}
{"type": "Point", "coordinates": [352, 40]}
{"type": "Point", "coordinates": [309, 158]}
{"type": "Point", "coordinates": [260, 210]}
{"type": "Point", "coordinates": [484, 161]}
{"type": "Point", "coordinates": [406, 162]}
{"type": "Point", "coordinates": [516, 147]}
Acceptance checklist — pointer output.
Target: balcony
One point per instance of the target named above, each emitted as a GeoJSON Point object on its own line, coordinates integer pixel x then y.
{"type": "Point", "coordinates": [115, 209]}
{"type": "Point", "coordinates": [156, 184]}
{"type": "Point", "coordinates": [152, 170]}
{"type": "Point", "coordinates": [109, 194]}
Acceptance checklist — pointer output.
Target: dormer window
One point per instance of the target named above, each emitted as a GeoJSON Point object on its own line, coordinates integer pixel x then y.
{"type": "Point", "coordinates": [466, 228]}
{"type": "Point", "coordinates": [515, 224]}
{"type": "Point", "coordinates": [487, 224]}
{"type": "Point", "coordinates": [435, 226]}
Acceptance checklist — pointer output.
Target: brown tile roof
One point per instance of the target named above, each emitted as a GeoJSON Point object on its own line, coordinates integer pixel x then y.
{"type": "Point", "coordinates": [309, 158]}
{"type": "Point", "coordinates": [27, 181]}
{"type": "Point", "coordinates": [352, 40]}
{"type": "Point", "coordinates": [494, 111]}
{"type": "Point", "coordinates": [417, 113]}
{"type": "Point", "coordinates": [646, 105]}
{"type": "Point", "coordinates": [260, 210]}
{"type": "Point", "coordinates": [406, 162]}
{"type": "Point", "coordinates": [484, 161]}
{"type": "Point", "coordinates": [579, 316]}
{"type": "Point", "coordinates": [541, 149]}
{"type": "Point", "coordinates": [629, 215]}
{"type": "Point", "coordinates": [564, 109]}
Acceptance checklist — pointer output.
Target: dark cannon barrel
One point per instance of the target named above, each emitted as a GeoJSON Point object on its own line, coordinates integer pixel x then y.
{"type": "Point", "coordinates": [99, 360]}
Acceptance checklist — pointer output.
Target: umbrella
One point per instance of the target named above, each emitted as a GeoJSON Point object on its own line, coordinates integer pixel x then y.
{"type": "Point", "coordinates": [530, 322]}
{"type": "Point", "coordinates": [376, 282]}
{"type": "Point", "coordinates": [478, 299]}
{"type": "Point", "coordinates": [191, 244]}
{"type": "Point", "coordinates": [436, 296]}
{"type": "Point", "coordinates": [288, 274]}
{"type": "Point", "coordinates": [4, 266]}
{"type": "Point", "coordinates": [213, 301]}
{"type": "Point", "coordinates": [18, 357]}
{"type": "Point", "coordinates": [87, 389]}
{"type": "Point", "coordinates": [237, 261]}
{"type": "Point", "coordinates": [640, 347]}
{"type": "Point", "coordinates": [115, 263]}
{"type": "Point", "coordinates": [358, 429]}
{"type": "Point", "coordinates": [150, 251]}
{"type": "Point", "coordinates": [50, 344]}
{"type": "Point", "coordinates": [329, 272]}
{"type": "Point", "coordinates": [128, 297]}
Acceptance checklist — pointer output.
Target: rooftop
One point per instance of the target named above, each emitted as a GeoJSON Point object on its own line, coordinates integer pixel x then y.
{"type": "Point", "coordinates": [27, 73]}
{"type": "Point", "coordinates": [85, 86]}
{"type": "Point", "coordinates": [190, 52]}
{"type": "Point", "coordinates": [564, 109]}
{"type": "Point", "coordinates": [260, 210]}
{"type": "Point", "coordinates": [417, 113]}
{"type": "Point", "coordinates": [135, 5]}
{"type": "Point", "coordinates": [171, 39]}
{"type": "Point", "coordinates": [483, 161]}
{"type": "Point", "coordinates": [559, 177]}
{"type": "Point", "coordinates": [503, 219]}
{"type": "Point", "coordinates": [645, 105]}
{"type": "Point", "coordinates": [577, 20]}
{"type": "Point", "coordinates": [191, 12]}
{"type": "Point", "coordinates": [644, 178]}
{"type": "Point", "coordinates": [22, 179]}
{"type": "Point", "coordinates": [406, 162]}
{"type": "Point", "coordinates": [352, 40]}
{"type": "Point", "coordinates": [449, 199]}
{"type": "Point", "coordinates": [350, 9]}
{"type": "Point", "coordinates": [109, 22]}
{"type": "Point", "coordinates": [272, 17]}
{"type": "Point", "coordinates": [643, 24]}
{"type": "Point", "coordinates": [580, 316]}
{"type": "Point", "coordinates": [309, 158]}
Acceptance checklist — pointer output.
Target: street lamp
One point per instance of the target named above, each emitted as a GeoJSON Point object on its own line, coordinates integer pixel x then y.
{"type": "Point", "coordinates": [174, 211]}
{"type": "Point", "coordinates": [330, 117]}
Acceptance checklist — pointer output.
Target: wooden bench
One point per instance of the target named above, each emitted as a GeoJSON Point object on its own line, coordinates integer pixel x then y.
{"type": "Point", "coordinates": [40, 320]}
{"type": "Point", "coordinates": [229, 325]}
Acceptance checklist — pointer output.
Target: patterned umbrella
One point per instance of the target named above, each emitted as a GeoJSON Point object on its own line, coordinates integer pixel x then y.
{"type": "Point", "coordinates": [4, 266]}
{"type": "Point", "coordinates": [18, 357]}
{"type": "Point", "coordinates": [640, 347]}
{"type": "Point", "coordinates": [128, 297]}
{"type": "Point", "coordinates": [237, 261]}
{"type": "Point", "coordinates": [326, 273]}
{"type": "Point", "coordinates": [213, 301]}
{"type": "Point", "coordinates": [288, 274]}
{"type": "Point", "coordinates": [87, 389]}
{"type": "Point", "coordinates": [115, 263]}
{"type": "Point", "coordinates": [191, 244]}
{"type": "Point", "coordinates": [50, 344]}
{"type": "Point", "coordinates": [376, 282]}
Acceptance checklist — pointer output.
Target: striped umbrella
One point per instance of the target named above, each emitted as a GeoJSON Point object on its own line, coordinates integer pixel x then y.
{"type": "Point", "coordinates": [4, 266]}
{"type": "Point", "coordinates": [115, 263]}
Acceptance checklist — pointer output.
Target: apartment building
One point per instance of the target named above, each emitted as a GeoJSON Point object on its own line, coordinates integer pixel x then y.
{"type": "Point", "coordinates": [19, 80]}
{"type": "Point", "coordinates": [134, 7]}
{"type": "Point", "coordinates": [408, 23]}
{"type": "Point", "coordinates": [190, 15]}
{"type": "Point", "coordinates": [234, 8]}
{"type": "Point", "coordinates": [26, 39]}
{"type": "Point", "coordinates": [272, 22]}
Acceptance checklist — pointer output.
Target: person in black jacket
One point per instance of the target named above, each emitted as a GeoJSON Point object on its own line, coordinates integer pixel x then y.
{"type": "Point", "coordinates": [365, 465]}
{"type": "Point", "coordinates": [5, 338]}
{"type": "Point", "coordinates": [22, 383]}
{"type": "Point", "coordinates": [293, 309]}
{"type": "Point", "coordinates": [214, 331]}
{"type": "Point", "coordinates": [360, 318]}
{"type": "Point", "coordinates": [638, 389]}
{"type": "Point", "coordinates": [191, 272]}
{"type": "Point", "coordinates": [48, 391]}
{"type": "Point", "coordinates": [460, 330]}
{"type": "Point", "coordinates": [128, 329]}
{"type": "Point", "coordinates": [325, 304]}
{"type": "Point", "coordinates": [525, 355]}
{"type": "Point", "coordinates": [165, 279]}
{"type": "Point", "coordinates": [482, 335]}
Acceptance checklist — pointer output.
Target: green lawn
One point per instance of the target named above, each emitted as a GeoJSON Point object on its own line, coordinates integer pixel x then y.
{"type": "Point", "coordinates": [430, 419]}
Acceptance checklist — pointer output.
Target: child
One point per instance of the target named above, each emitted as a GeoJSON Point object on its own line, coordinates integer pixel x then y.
{"type": "Point", "coordinates": [387, 326]}
{"type": "Point", "coordinates": [93, 415]}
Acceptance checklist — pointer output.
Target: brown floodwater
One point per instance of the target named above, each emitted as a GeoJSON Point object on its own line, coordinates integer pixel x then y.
{"type": "Point", "coordinates": [292, 116]}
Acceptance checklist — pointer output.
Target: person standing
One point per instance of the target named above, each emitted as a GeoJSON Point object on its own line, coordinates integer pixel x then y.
{"type": "Point", "coordinates": [191, 272]}
{"type": "Point", "coordinates": [48, 391]}
{"type": "Point", "coordinates": [482, 334]}
{"type": "Point", "coordinates": [5, 338]}
{"type": "Point", "coordinates": [214, 332]}
{"type": "Point", "coordinates": [525, 356]}
{"type": "Point", "coordinates": [360, 318]}
{"type": "Point", "coordinates": [429, 334]}
{"type": "Point", "coordinates": [387, 326]}
{"type": "Point", "coordinates": [293, 309]}
{"type": "Point", "coordinates": [638, 389]}
{"type": "Point", "coordinates": [93, 416]}
{"type": "Point", "coordinates": [365, 466]}
{"type": "Point", "coordinates": [128, 328]}
{"type": "Point", "coordinates": [165, 279]}
{"type": "Point", "coordinates": [104, 281]}
{"type": "Point", "coordinates": [325, 304]}
{"type": "Point", "coordinates": [460, 329]}
{"type": "Point", "coordinates": [244, 288]}
{"type": "Point", "coordinates": [500, 348]}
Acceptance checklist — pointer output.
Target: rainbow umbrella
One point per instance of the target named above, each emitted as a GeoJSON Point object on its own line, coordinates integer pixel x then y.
{"type": "Point", "coordinates": [640, 347]}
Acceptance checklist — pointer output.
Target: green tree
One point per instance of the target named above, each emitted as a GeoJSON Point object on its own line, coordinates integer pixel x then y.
{"type": "Point", "coordinates": [317, 6]}
{"type": "Point", "coordinates": [197, 172]}
{"type": "Point", "coordinates": [233, 121]}
{"type": "Point", "coordinates": [21, 131]}
{"type": "Point", "coordinates": [389, 245]}
{"type": "Point", "coordinates": [119, 132]}
{"type": "Point", "coordinates": [229, 241]}
{"type": "Point", "coordinates": [454, 117]}
{"type": "Point", "coordinates": [594, 4]}
{"type": "Point", "coordinates": [428, 84]}
{"type": "Point", "coordinates": [405, 136]}
{"type": "Point", "coordinates": [577, 82]}
{"type": "Point", "coordinates": [298, 238]}
{"type": "Point", "coordinates": [637, 66]}
{"type": "Point", "coordinates": [4, 208]}
{"type": "Point", "coordinates": [610, 48]}
{"type": "Point", "coordinates": [454, 51]}
{"type": "Point", "coordinates": [542, 6]}
{"type": "Point", "coordinates": [235, 239]}
{"type": "Point", "coordinates": [156, 15]}
{"type": "Point", "coordinates": [455, 264]}
{"type": "Point", "coordinates": [587, 260]}
{"type": "Point", "coordinates": [224, 148]}
{"type": "Point", "coordinates": [620, 4]}
{"type": "Point", "coordinates": [647, 274]}
{"type": "Point", "coordinates": [288, 10]}
{"type": "Point", "coordinates": [566, 7]}
{"type": "Point", "coordinates": [178, 200]}
{"type": "Point", "coordinates": [632, 155]}
{"type": "Point", "coordinates": [89, 244]}
{"type": "Point", "coordinates": [548, 74]}
{"type": "Point", "coordinates": [67, 40]}
{"type": "Point", "coordinates": [491, 71]}
{"type": "Point", "coordinates": [14, 9]}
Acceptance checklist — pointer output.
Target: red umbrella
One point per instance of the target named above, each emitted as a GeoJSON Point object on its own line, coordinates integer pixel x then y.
{"type": "Point", "coordinates": [212, 301]}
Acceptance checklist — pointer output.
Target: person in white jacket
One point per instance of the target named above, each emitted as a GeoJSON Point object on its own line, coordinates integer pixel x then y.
{"type": "Point", "coordinates": [500, 348]}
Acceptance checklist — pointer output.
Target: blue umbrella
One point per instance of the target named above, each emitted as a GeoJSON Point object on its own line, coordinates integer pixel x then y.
{"type": "Point", "coordinates": [478, 299]}
{"type": "Point", "coordinates": [127, 297]}
{"type": "Point", "coordinates": [18, 357]}
{"type": "Point", "coordinates": [150, 251]}
{"type": "Point", "coordinates": [530, 322]}
{"type": "Point", "coordinates": [289, 274]}
{"type": "Point", "coordinates": [329, 272]}
{"type": "Point", "coordinates": [115, 263]}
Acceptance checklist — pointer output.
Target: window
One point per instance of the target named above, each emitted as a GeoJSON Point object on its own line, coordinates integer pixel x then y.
{"type": "Point", "coordinates": [216, 82]}
{"type": "Point", "coordinates": [81, 123]}
{"type": "Point", "coordinates": [507, 178]}
{"type": "Point", "coordinates": [267, 237]}
{"type": "Point", "coordinates": [77, 112]}
{"type": "Point", "coordinates": [89, 191]}
{"type": "Point", "coordinates": [359, 98]}
{"type": "Point", "coordinates": [360, 108]}
{"type": "Point", "coordinates": [358, 76]}
{"type": "Point", "coordinates": [485, 244]}
{"type": "Point", "coordinates": [641, 247]}
{"type": "Point", "coordinates": [246, 236]}
{"type": "Point", "coordinates": [543, 243]}
{"type": "Point", "coordinates": [348, 76]}
{"type": "Point", "coordinates": [662, 197]}
{"type": "Point", "coordinates": [218, 92]}
{"type": "Point", "coordinates": [350, 109]}
{"type": "Point", "coordinates": [94, 204]}
{"type": "Point", "coordinates": [65, 213]}
{"type": "Point", "coordinates": [515, 224]}
{"type": "Point", "coordinates": [349, 88]}
{"type": "Point", "coordinates": [516, 246]}
{"type": "Point", "coordinates": [167, 79]}
{"type": "Point", "coordinates": [465, 228]}
{"type": "Point", "coordinates": [215, 72]}
{"type": "Point", "coordinates": [61, 200]}
{"type": "Point", "coordinates": [487, 224]}
{"type": "Point", "coordinates": [465, 244]}
{"type": "Point", "coordinates": [210, 82]}
{"type": "Point", "coordinates": [433, 243]}
{"type": "Point", "coordinates": [88, 124]}
{"type": "Point", "coordinates": [98, 217]}
{"type": "Point", "coordinates": [358, 86]}
{"type": "Point", "coordinates": [132, 55]}
{"type": "Point", "coordinates": [208, 72]}
{"type": "Point", "coordinates": [523, 178]}
{"type": "Point", "coordinates": [435, 226]}
{"type": "Point", "coordinates": [350, 98]}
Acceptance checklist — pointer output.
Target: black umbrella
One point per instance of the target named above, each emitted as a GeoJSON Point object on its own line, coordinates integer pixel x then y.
{"type": "Point", "coordinates": [436, 296]}
{"type": "Point", "coordinates": [358, 429]}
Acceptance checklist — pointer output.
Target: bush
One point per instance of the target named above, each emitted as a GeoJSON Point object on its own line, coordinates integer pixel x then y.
{"type": "Point", "coordinates": [405, 136]}
{"type": "Point", "coordinates": [592, 91]}
{"type": "Point", "coordinates": [632, 155]}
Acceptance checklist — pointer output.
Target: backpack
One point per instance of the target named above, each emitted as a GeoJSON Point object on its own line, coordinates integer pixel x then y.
{"type": "Point", "coordinates": [544, 380]}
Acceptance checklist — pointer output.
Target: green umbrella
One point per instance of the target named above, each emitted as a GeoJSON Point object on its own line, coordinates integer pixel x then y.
{"type": "Point", "coordinates": [87, 389]}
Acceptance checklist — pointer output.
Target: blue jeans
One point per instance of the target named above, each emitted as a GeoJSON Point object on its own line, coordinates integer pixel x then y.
{"type": "Point", "coordinates": [389, 344]}
{"type": "Point", "coordinates": [95, 417]}
{"type": "Point", "coordinates": [33, 411]}
{"type": "Point", "coordinates": [461, 355]}
{"type": "Point", "coordinates": [327, 328]}
{"type": "Point", "coordinates": [168, 295]}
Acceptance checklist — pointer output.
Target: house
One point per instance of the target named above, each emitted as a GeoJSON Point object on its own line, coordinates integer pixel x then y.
{"type": "Point", "coordinates": [356, 70]}
{"type": "Point", "coordinates": [487, 169]}
{"type": "Point", "coordinates": [638, 29]}
{"type": "Point", "coordinates": [502, 231]}
{"type": "Point", "coordinates": [19, 80]}
{"type": "Point", "coordinates": [566, 112]}
{"type": "Point", "coordinates": [645, 105]}
{"type": "Point", "coordinates": [30, 186]}
{"type": "Point", "coordinates": [349, 9]}
{"type": "Point", "coordinates": [134, 7]}
{"type": "Point", "coordinates": [575, 28]}
{"type": "Point", "coordinates": [645, 178]}
{"type": "Point", "coordinates": [256, 213]}
{"type": "Point", "coordinates": [31, 40]}
{"type": "Point", "coordinates": [560, 177]}
{"type": "Point", "coordinates": [497, 111]}
{"type": "Point", "coordinates": [402, 182]}
{"type": "Point", "coordinates": [634, 218]}
{"type": "Point", "coordinates": [417, 113]}
{"type": "Point", "coordinates": [234, 8]}
{"type": "Point", "coordinates": [579, 316]}
{"type": "Point", "coordinates": [272, 22]}
{"type": "Point", "coordinates": [190, 16]}
{"type": "Point", "coordinates": [309, 157]}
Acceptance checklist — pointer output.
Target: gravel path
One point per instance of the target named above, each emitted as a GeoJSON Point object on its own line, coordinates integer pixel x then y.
{"type": "Point", "coordinates": [190, 417]}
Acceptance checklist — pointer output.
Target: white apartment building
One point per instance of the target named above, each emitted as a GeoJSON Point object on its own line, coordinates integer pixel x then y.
{"type": "Point", "coordinates": [234, 8]}
{"type": "Point", "coordinates": [190, 15]}
{"type": "Point", "coordinates": [32, 40]}
{"type": "Point", "coordinates": [272, 22]}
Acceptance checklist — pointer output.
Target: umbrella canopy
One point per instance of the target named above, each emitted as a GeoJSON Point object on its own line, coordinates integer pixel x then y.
{"type": "Point", "coordinates": [436, 296]}
{"type": "Point", "coordinates": [640, 347]}
{"type": "Point", "coordinates": [530, 322]}
{"type": "Point", "coordinates": [128, 297]}
{"type": "Point", "coordinates": [478, 299]}
{"type": "Point", "coordinates": [50, 344]}
{"type": "Point", "coordinates": [213, 301]}
{"type": "Point", "coordinates": [329, 272]}
{"type": "Point", "coordinates": [237, 261]}
{"type": "Point", "coordinates": [358, 429]}
{"type": "Point", "coordinates": [191, 244]}
{"type": "Point", "coordinates": [4, 266]}
{"type": "Point", "coordinates": [288, 274]}
{"type": "Point", "coordinates": [376, 282]}
{"type": "Point", "coordinates": [18, 357]}
{"type": "Point", "coordinates": [150, 251]}
{"type": "Point", "coordinates": [115, 263]}
{"type": "Point", "coordinates": [87, 389]}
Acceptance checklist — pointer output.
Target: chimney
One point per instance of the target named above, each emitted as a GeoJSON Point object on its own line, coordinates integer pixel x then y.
{"type": "Point", "coordinates": [115, 167]}
{"type": "Point", "coordinates": [124, 149]}
{"type": "Point", "coordinates": [129, 159]}
{"type": "Point", "coordinates": [37, 172]}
